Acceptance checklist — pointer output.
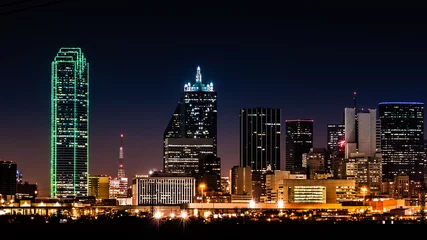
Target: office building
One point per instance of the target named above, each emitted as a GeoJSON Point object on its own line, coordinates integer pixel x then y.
{"type": "Point", "coordinates": [183, 155]}
{"type": "Point", "coordinates": [366, 171]}
{"type": "Point", "coordinates": [402, 139]}
{"type": "Point", "coordinates": [335, 140]}
{"type": "Point", "coordinates": [318, 191]}
{"type": "Point", "coordinates": [299, 140]}
{"type": "Point", "coordinates": [69, 124]}
{"type": "Point", "coordinates": [360, 131]}
{"type": "Point", "coordinates": [241, 180]}
{"type": "Point", "coordinates": [99, 186]}
{"type": "Point", "coordinates": [195, 117]}
{"type": "Point", "coordinates": [260, 138]}
{"type": "Point", "coordinates": [163, 189]}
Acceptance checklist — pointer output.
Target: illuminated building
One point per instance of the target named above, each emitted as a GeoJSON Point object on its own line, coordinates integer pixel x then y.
{"type": "Point", "coordinates": [335, 141]}
{"type": "Point", "coordinates": [195, 117]}
{"type": "Point", "coordinates": [366, 171]}
{"type": "Point", "coordinates": [402, 139]}
{"type": "Point", "coordinates": [315, 161]}
{"type": "Point", "coordinates": [299, 140]}
{"type": "Point", "coordinates": [183, 155]}
{"type": "Point", "coordinates": [274, 184]}
{"type": "Point", "coordinates": [7, 179]}
{"type": "Point", "coordinates": [99, 186]}
{"type": "Point", "coordinates": [260, 138]}
{"type": "Point", "coordinates": [318, 191]}
{"type": "Point", "coordinates": [69, 124]}
{"type": "Point", "coordinates": [163, 189]}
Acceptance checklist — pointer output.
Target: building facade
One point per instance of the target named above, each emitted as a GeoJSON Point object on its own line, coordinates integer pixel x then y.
{"type": "Point", "coordinates": [260, 138]}
{"type": "Point", "coordinates": [318, 191]}
{"type": "Point", "coordinates": [335, 140]}
{"type": "Point", "coordinates": [360, 131]}
{"type": "Point", "coordinates": [184, 155]}
{"type": "Point", "coordinates": [299, 140]}
{"type": "Point", "coordinates": [366, 171]}
{"type": "Point", "coordinates": [69, 124]}
{"type": "Point", "coordinates": [163, 189]}
{"type": "Point", "coordinates": [241, 180]}
{"type": "Point", "coordinates": [402, 139]}
{"type": "Point", "coordinates": [99, 186]}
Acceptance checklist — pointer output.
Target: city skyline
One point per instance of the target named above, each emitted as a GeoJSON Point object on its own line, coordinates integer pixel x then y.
{"type": "Point", "coordinates": [308, 70]}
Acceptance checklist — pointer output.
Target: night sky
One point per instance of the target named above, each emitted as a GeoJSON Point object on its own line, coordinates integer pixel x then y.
{"type": "Point", "coordinates": [307, 61]}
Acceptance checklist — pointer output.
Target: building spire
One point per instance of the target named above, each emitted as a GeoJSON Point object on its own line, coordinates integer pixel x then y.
{"type": "Point", "coordinates": [355, 100]}
{"type": "Point", "coordinates": [121, 169]}
{"type": "Point", "coordinates": [198, 75]}
{"type": "Point", "coordinates": [121, 147]}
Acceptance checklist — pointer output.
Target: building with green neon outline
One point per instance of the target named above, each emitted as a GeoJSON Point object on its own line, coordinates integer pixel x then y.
{"type": "Point", "coordinates": [69, 166]}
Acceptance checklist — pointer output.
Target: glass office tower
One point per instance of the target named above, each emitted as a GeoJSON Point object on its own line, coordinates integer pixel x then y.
{"type": "Point", "coordinates": [69, 124]}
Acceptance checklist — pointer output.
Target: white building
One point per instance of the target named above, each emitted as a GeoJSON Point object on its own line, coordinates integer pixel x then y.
{"type": "Point", "coordinates": [163, 189]}
{"type": "Point", "coordinates": [360, 131]}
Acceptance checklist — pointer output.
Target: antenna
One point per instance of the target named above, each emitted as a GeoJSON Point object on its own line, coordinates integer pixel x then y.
{"type": "Point", "coordinates": [355, 100]}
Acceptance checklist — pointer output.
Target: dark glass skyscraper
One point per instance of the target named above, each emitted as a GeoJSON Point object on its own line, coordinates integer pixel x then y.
{"type": "Point", "coordinates": [260, 138]}
{"type": "Point", "coordinates": [402, 139]}
{"type": "Point", "coordinates": [336, 139]}
{"type": "Point", "coordinates": [196, 114]}
{"type": "Point", "coordinates": [299, 140]}
{"type": "Point", "coordinates": [69, 124]}
{"type": "Point", "coordinates": [7, 180]}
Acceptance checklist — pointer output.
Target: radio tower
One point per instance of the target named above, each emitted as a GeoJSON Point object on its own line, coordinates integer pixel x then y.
{"type": "Point", "coordinates": [121, 169]}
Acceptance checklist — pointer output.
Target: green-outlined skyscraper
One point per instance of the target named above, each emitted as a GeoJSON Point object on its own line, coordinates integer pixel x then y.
{"type": "Point", "coordinates": [69, 165]}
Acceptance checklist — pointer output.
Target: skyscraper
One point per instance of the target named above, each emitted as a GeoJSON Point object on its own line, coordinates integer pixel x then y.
{"type": "Point", "coordinates": [260, 138]}
{"type": "Point", "coordinates": [69, 164]}
{"type": "Point", "coordinates": [360, 131]}
{"type": "Point", "coordinates": [299, 140]}
{"type": "Point", "coordinates": [336, 139]}
{"type": "Point", "coordinates": [402, 139]}
{"type": "Point", "coordinates": [7, 180]}
{"type": "Point", "coordinates": [194, 117]}
{"type": "Point", "coordinates": [199, 110]}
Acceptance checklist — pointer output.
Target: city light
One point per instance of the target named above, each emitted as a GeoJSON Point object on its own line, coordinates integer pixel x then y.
{"type": "Point", "coordinates": [172, 215]}
{"type": "Point", "coordinates": [158, 215]}
{"type": "Point", "coordinates": [184, 214]}
{"type": "Point", "coordinates": [281, 203]}
{"type": "Point", "coordinates": [251, 204]}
